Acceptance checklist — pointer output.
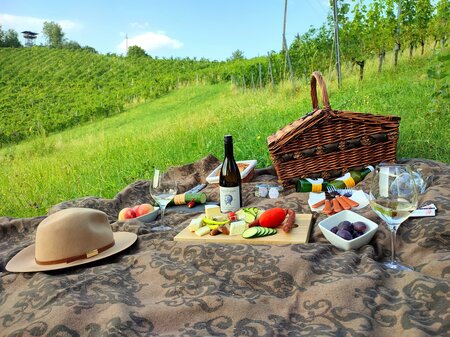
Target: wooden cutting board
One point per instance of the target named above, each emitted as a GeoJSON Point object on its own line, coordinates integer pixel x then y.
{"type": "Point", "coordinates": [299, 234]}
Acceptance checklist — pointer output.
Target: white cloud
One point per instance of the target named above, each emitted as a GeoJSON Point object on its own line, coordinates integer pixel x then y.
{"type": "Point", "coordinates": [21, 23]}
{"type": "Point", "coordinates": [68, 25]}
{"type": "Point", "coordinates": [139, 25]}
{"type": "Point", "coordinates": [150, 42]}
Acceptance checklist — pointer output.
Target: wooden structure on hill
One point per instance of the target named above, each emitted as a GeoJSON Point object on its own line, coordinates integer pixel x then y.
{"type": "Point", "coordinates": [29, 37]}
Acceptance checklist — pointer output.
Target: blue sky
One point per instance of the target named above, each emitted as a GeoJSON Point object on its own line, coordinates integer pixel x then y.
{"type": "Point", "coordinates": [165, 28]}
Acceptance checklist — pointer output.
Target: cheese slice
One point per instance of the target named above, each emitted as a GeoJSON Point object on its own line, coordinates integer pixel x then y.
{"type": "Point", "coordinates": [212, 211]}
{"type": "Point", "coordinates": [238, 227]}
{"type": "Point", "coordinates": [196, 223]}
{"type": "Point", "coordinates": [202, 231]}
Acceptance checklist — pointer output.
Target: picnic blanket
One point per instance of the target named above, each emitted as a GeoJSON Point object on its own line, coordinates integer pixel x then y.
{"type": "Point", "coordinates": [159, 287]}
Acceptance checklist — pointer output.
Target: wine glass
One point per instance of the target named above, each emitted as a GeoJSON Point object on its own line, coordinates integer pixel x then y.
{"type": "Point", "coordinates": [393, 197]}
{"type": "Point", "coordinates": [162, 190]}
{"type": "Point", "coordinates": [423, 176]}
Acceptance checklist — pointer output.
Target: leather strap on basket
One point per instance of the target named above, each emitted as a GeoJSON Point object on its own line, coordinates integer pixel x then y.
{"type": "Point", "coordinates": [317, 78]}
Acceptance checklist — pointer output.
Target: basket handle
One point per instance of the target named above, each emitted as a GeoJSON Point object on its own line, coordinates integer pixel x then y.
{"type": "Point", "coordinates": [317, 78]}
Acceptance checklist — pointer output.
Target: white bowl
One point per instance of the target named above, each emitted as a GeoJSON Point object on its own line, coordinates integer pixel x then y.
{"type": "Point", "coordinates": [326, 225]}
{"type": "Point", "coordinates": [149, 216]}
{"type": "Point", "coordinates": [213, 178]}
{"type": "Point", "coordinates": [146, 217]}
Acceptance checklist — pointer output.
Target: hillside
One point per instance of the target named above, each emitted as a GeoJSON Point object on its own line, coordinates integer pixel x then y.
{"type": "Point", "coordinates": [45, 90]}
{"type": "Point", "coordinates": [102, 157]}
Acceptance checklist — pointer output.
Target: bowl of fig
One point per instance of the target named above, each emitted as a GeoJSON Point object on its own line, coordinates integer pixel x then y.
{"type": "Point", "coordinates": [348, 230]}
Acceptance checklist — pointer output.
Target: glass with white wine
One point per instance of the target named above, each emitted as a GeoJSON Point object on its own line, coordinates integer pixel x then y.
{"type": "Point", "coordinates": [162, 190]}
{"type": "Point", "coordinates": [393, 197]}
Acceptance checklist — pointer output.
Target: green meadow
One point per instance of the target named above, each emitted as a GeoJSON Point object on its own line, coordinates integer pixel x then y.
{"type": "Point", "coordinates": [104, 156]}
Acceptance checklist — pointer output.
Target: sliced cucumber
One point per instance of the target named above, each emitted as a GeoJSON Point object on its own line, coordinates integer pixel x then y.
{"type": "Point", "coordinates": [273, 231]}
{"type": "Point", "coordinates": [251, 232]}
{"type": "Point", "coordinates": [261, 231]}
{"type": "Point", "coordinates": [266, 231]}
{"type": "Point", "coordinates": [257, 232]}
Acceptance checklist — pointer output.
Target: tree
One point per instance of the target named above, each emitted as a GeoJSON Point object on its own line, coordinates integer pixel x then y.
{"type": "Point", "coordinates": [408, 22]}
{"type": "Point", "coordinates": [74, 45]}
{"type": "Point", "coordinates": [2, 36]}
{"type": "Point", "coordinates": [10, 38]}
{"type": "Point", "coordinates": [54, 34]}
{"type": "Point", "coordinates": [376, 30]}
{"type": "Point", "coordinates": [311, 51]}
{"type": "Point", "coordinates": [90, 49]}
{"type": "Point", "coordinates": [237, 55]}
{"type": "Point", "coordinates": [440, 25]}
{"type": "Point", "coordinates": [391, 22]}
{"type": "Point", "coordinates": [354, 33]}
{"type": "Point", "coordinates": [136, 51]}
{"type": "Point", "coordinates": [423, 20]}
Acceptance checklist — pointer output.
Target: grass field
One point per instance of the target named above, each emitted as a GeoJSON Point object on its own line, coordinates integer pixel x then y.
{"type": "Point", "coordinates": [101, 158]}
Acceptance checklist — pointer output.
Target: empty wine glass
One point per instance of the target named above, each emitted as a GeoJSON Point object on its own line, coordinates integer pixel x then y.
{"type": "Point", "coordinates": [393, 197]}
{"type": "Point", "coordinates": [162, 190]}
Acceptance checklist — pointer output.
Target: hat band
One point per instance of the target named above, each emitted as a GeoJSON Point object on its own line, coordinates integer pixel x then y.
{"type": "Point", "coordinates": [79, 257]}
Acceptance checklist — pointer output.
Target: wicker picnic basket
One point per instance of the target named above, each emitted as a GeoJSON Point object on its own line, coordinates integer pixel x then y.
{"type": "Point", "coordinates": [327, 143]}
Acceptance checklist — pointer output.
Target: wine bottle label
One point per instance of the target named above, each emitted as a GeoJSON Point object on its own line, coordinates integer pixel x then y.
{"type": "Point", "coordinates": [316, 184]}
{"type": "Point", "coordinates": [230, 199]}
{"type": "Point", "coordinates": [348, 180]}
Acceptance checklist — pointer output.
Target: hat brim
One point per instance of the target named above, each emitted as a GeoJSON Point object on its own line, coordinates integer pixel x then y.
{"type": "Point", "coordinates": [24, 260]}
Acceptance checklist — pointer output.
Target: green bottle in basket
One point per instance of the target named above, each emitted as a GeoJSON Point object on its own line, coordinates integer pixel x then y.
{"type": "Point", "coordinates": [348, 180]}
{"type": "Point", "coordinates": [351, 178]}
{"type": "Point", "coordinates": [311, 185]}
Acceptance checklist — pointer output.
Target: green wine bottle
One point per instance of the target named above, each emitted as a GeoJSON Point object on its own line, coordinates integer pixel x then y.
{"type": "Point", "coordinates": [183, 199]}
{"type": "Point", "coordinates": [311, 185]}
{"type": "Point", "coordinates": [351, 178]}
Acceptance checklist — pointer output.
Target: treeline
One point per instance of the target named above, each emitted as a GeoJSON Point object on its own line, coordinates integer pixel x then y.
{"type": "Point", "coordinates": [366, 30]}
{"type": "Point", "coordinates": [369, 30]}
{"type": "Point", "coordinates": [52, 32]}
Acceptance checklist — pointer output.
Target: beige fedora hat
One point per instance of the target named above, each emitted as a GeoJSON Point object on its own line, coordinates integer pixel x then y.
{"type": "Point", "coordinates": [68, 238]}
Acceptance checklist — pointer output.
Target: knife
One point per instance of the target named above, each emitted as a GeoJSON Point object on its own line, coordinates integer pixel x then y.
{"type": "Point", "coordinates": [196, 189]}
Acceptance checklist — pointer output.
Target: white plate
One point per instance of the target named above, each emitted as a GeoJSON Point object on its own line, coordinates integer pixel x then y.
{"type": "Point", "coordinates": [213, 178]}
{"type": "Point", "coordinates": [358, 196]}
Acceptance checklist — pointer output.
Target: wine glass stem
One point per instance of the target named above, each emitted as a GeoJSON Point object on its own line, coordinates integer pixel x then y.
{"type": "Point", "coordinates": [163, 209]}
{"type": "Point", "coordinates": [393, 239]}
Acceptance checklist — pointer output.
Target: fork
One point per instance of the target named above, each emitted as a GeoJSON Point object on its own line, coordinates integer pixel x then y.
{"type": "Point", "coordinates": [337, 205]}
{"type": "Point", "coordinates": [332, 190]}
{"type": "Point", "coordinates": [339, 202]}
{"type": "Point", "coordinates": [345, 194]}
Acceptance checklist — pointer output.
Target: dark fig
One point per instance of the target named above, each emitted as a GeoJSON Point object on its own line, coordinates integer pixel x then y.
{"type": "Point", "coordinates": [360, 226]}
{"type": "Point", "coordinates": [344, 234]}
{"type": "Point", "coordinates": [356, 234]}
{"type": "Point", "coordinates": [334, 229]}
{"type": "Point", "coordinates": [345, 225]}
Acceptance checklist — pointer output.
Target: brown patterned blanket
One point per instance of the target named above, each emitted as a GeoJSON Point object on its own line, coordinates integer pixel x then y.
{"type": "Point", "coordinates": [159, 287]}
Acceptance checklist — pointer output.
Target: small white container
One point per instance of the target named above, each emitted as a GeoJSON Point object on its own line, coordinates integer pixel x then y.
{"type": "Point", "coordinates": [334, 220]}
{"type": "Point", "coordinates": [213, 178]}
